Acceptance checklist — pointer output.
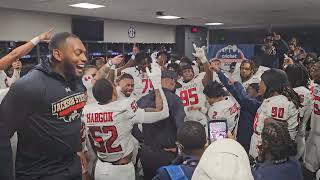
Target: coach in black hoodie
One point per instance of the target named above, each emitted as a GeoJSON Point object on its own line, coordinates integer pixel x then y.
{"type": "Point", "coordinates": [44, 107]}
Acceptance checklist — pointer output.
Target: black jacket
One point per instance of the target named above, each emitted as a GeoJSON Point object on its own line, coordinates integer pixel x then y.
{"type": "Point", "coordinates": [45, 109]}
{"type": "Point", "coordinates": [163, 134]}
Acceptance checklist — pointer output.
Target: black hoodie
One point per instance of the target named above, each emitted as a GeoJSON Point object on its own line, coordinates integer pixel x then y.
{"type": "Point", "coordinates": [45, 109]}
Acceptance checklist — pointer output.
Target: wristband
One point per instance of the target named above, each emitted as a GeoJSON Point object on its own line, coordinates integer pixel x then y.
{"type": "Point", "coordinates": [35, 41]}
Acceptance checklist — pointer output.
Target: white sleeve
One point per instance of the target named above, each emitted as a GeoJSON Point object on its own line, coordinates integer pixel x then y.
{"type": "Point", "coordinates": [15, 76]}
{"type": "Point", "coordinates": [126, 71]}
{"type": "Point", "coordinates": [3, 93]}
{"type": "Point", "coordinates": [141, 116]}
{"type": "Point", "coordinates": [84, 134]}
{"type": "Point", "coordinates": [200, 76]}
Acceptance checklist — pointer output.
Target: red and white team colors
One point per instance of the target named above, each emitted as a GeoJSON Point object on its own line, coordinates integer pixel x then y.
{"type": "Point", "coordinates": [312, 158]}
{"type": "Point", "coordinates": [277, 107]}
{"type": "Point", "coordinates": [87, 82]}
{"type": "Point", "coordinates": [191, 95]}
{"type": "Point", "coordinates": [228, 109]}
{"type": "Point", "coordinates": [304, 113]}
{"type": "Point", "coordinates": [6, 81]}
{"type": "Point", "coordinates": [110, 127]}
{"type": "Point", "coordinates": [142, 83]}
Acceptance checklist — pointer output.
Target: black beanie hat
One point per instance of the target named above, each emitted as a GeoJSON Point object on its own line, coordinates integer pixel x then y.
{"type": "Point", "coordinates": [274, 79]}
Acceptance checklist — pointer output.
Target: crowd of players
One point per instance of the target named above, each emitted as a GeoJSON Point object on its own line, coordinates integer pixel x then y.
{"type": "Point", "coordinates": [72, 118]}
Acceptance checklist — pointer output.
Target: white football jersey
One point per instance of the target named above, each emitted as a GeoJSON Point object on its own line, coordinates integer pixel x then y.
{"type": "Point", "coordinates": [228, 109]}
{"type": "Point", "coordinates": [110, 127]}
{"type": "Point", "coordinates": [315, 116]}
{"type": "Point", "coordinates": [142, 83]}
{"type": "Point", "coordinates": [256, 78]}
{"type": "Point", "coordinates": [87, 82]}
{"type": "Point", "coordinates": [191, 94]}
{"type": "Point", "coordinates": [3, 93]}
{"type": "Point", "coordinates": [305, 111]}
{"type": "Point", "coordinates": [280, 108]}
{"type": "Point", "coordinates": [6, 81]}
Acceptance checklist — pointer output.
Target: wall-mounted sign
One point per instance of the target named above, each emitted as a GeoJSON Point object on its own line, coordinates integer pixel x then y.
{"type": "Point", "coordinates": [131, 32]}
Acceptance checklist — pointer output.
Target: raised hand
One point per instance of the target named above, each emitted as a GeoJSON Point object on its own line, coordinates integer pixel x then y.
{"type": "Point", "coordinates": [46, 35]}
{"type": "Point", "coordinates": [117, 60]}
{"type": "Point", "coordinates": [154, 56]}
{"type": "Point", "coordinates": [200, 53]}
{"type": "Point", "coordinates": [287, 60]}
{"type": "Point", "coordinates": [276, 36]}
{"type": "Point", "coordinates": [155, 75]}
{"type": "Point", "coordinates": [17, 65]}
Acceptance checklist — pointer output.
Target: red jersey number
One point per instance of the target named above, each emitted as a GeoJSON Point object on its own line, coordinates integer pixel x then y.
{"type": "Point", "coordinates": [316, 109]}
{"type": "Point", "coordinates": [277, 112]}
{"type": "Point", "coordinates": [134, 106]}
{"type": "Point", "coordinates": [105, 146]}
{"type": "Point", "coordinates": [188, 97]}
{"type": "Point", "coordinates": [147, 85]}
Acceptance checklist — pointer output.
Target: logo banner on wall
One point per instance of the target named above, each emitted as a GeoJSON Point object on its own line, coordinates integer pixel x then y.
{"type": "Point", "coordinates": [228, 53]}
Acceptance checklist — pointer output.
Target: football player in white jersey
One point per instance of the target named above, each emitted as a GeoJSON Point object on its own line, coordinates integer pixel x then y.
{"type": "Point", "coordinates": [88, 81]}
{"type": "Point", "coordinates": [92, 74]}
{"type": "Point", "coordinates": [299, 80]}
{"type": "Point", "coordinates": [6, 81]}
{"type": "Point", "coordinates": [222, 105]}
{"type": "Point", "coordinates": [125, 86]}
{"type": "Point", "coordinates": [191, 91]}
{"type": "Point", "coordinates": [142, 84]}
{"type": "Point", "coordinates": [280, 103]}
{"type": "Point", "coordinates": [109, 123]}
{"type": "Point", "coordinates": [246, 73]}
{"type": "Point", "coordinates": [312, 158]}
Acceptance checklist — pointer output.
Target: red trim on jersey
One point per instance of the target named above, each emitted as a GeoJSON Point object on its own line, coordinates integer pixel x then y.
{"type": "Point", "coordinates": [317, 98]}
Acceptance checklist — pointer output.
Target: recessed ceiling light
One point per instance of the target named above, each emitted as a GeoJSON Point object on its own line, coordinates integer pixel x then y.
{"type": "Point", "coordinates": [86, 5]}
{"type": "Point", "coordinates": [168, 17]}
{"type": "Point", "coordinates": [214, 24]}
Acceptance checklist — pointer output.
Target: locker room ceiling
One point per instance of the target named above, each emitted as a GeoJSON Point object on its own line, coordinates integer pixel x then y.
{"type": "Point", "coordinates": [233, 13]}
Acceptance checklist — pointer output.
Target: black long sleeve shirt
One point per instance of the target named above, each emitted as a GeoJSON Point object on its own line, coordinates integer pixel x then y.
{"type": "Point", "coordinates": [162, 134]}
{"type": "Point", "coordinates": [45, 109]}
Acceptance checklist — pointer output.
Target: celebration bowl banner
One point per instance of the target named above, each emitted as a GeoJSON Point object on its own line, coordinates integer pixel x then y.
{"type": "Point", "coordinates": [228, 53]}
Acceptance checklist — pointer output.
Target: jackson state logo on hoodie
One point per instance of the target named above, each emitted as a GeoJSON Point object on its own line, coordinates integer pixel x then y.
{"type": "Point", "coordinates": [69, 108]}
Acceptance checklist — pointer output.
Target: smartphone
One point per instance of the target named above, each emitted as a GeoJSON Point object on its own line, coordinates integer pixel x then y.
{"type": "Point", "coordinates": [217, 129]}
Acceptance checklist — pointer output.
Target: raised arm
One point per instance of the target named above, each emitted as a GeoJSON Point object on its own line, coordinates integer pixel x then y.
{"type": "Point", "coordinates": [16, 72]}
{"type": "Point", "coordinates": [109, 68]}
{"type": "Point", "coordinates": [161, 111]}
{"type": "Point", "coordinates": [23, 50]}
{"type": "Point", "coordinates": [200, 53]}
{"type": "Point", "coordinates": [130, 63]}
{"type": "Point", "coordinates": [237, 91]}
